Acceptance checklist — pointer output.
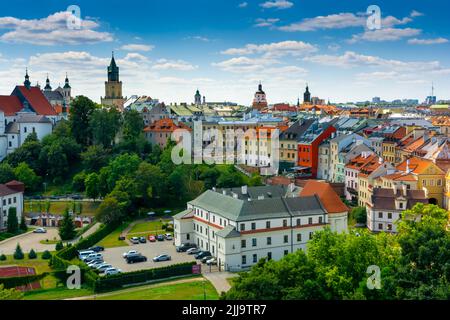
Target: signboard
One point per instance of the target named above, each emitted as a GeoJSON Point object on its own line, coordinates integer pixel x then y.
{"type": "Point", "coordinates": [197, 269]}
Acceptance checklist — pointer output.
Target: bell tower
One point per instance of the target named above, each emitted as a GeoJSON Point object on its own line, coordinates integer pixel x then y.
{"type": "Point", "coordinates": [113, 87]}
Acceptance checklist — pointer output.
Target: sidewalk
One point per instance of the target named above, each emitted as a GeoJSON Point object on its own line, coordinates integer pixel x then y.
{"type": "Point", "coordinates": [219, 279]}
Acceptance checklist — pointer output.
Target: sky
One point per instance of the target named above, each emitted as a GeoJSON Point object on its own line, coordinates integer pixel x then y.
{"type": "Point", "coordinates": [168, 49]}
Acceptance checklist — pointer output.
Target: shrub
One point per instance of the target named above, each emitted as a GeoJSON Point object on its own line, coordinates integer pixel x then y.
{"type": "Point", "coordinates": [2, 257]}
{"type": "Point", "coordinates": [18, 254]}
{"type": "Point", "coordinates": [59, 246]}
{"type": "Point", "coordinates": [46, 255]}
{"type": "Point", "coordinates": [360, 215]}
{"type": "Point", "coordinates": [32, 254]}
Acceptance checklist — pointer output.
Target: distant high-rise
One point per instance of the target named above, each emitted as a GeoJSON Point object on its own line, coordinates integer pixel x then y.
{"type": "Point", "coordinates": [113, 87]}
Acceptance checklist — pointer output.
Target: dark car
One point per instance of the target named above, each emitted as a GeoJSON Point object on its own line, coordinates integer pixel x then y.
{"type": "Point", "coordinates": [133, 258]}
{"type": "Point", "coordinates": [202, 254]}
{"type": "Point", "coordinates": [160, 237]}
{"type": "Point", "coordinates": [77, 197]}
{"type": "Point", "coordinates": [204, 259]}
{"type": "Point", "coordinates": [185, 247]}
{"type": "Point", "coordinates": [142, 240]}
{"type": "Point", "coordinates": [97, 248]}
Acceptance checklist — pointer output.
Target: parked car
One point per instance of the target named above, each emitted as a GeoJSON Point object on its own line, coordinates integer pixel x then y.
{"type": "Point", "coordinates": [94, 264]}
{"type": "Point", "coordinates": [77, 197]}
{"type": "Point", "coordinates": [40, 230]}
{"type": "Point", "coordinates": [162, 257]}
{"type": "Point", "coordinates": [211, 262]}
{"type": "Point", "coordinates": [151, 238]}
{"type": "Point", "coordinates": [206, 259]}
{"type": "Point", "coordinates": [185, 247]}
{"type": "Point", "coordinates": [160, 237]}
{"type": "Point", "coordinates": [92, 257]}
{"type": "Point", "coordinates": [103, 267]}
{"type": "Point", "coordinates": [135, 240]}
{"type": "Point", "coordinates": [202, 254]}
{"type": "Point", "coordinates": [142, 240]}
{"type": "Point", "coordinates": [168, 236]}
{"type": "Point", "coordinates": [112, 271]}
{"type": "Point", "coordinates": [84, 253]}
{"type": "Point", "coordinates": [97, 248]}
{"type": "Point", "coordinates": [126, 254]}
{"type": "Point", "coordinates": [136, 258]}
{"type": "Point", "coordinates": [193, 251]}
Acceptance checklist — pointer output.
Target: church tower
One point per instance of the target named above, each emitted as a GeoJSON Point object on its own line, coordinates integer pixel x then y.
{"type": "Point", "coordinates": [198, 98]}
{"type": "Point", "coordinates": [47, 87]}
{"type": "Point", "coordinates": [27, 82]}
{"type": "Point", "coordinates": [113, 87]}
{"type": "Point", "coordinates": [67, 91]}
{"type": "Point", "coordinates": [307, 95]}
{"type": "Point", "coordinates": [260, 101]}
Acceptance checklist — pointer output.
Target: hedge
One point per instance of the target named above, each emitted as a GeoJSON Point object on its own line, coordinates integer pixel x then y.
{"type": "Point", "coordinates": [109, 283]}
{"type": "Point", "coordinates": [97, 236]}
{"type": "Point", "coordinates": [13, 282]}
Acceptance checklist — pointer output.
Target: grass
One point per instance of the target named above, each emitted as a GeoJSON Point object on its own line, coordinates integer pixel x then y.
{"type": "Point", "coordinates": [58, 207]}
{"type": "Point", "coordinates": [112, 240]}
{"type": "Point", "coordinates": [180, 291]}
{"type": "Point", "coordinates": [57, 293]}
{"type": "Point", "coordinates": [47, 241]}
{"type": "Point", "coordinates": [39, 264]}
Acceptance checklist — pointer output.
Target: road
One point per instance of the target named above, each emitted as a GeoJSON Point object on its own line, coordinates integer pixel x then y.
{"type": "Point", "coordinates": [29, 241]}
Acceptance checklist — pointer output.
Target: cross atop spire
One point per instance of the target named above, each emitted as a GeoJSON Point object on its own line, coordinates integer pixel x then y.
{"type": "Point", "coordinates": [27, 82]}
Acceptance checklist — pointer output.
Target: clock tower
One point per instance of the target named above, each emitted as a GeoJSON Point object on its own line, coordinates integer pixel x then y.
{"type": "Point", "coordinates": [113, 87]}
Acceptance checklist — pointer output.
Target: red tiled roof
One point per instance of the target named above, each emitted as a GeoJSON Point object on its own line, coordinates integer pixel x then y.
{"type": "Point", "coordinates": [37, 100]}
{"type": "Point", "coordinates": [328, 197]}
{"type": "Point", "coordinates": [10, 105]}
{"type": "Point", "coordinates": [11, 188]}
{"type": "Point", "coordinates": [166, 125]}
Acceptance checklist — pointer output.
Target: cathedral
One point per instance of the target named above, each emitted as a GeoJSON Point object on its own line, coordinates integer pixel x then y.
{"type": "Point", "coordinates": [113, 88]}
{"type": "Point", "coordinates": [60, 98]}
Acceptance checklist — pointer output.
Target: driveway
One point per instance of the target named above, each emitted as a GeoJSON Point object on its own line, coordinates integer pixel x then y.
{"type": "Point", "coordinates": [219, 279]}
{"type": "Point", "coordinates": [30, 241]}
{"type": "Point", "coordinates": [114, 257]}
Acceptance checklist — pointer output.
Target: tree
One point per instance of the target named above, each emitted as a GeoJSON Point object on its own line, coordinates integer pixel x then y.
{"type": "Point", "coordinates": [10, 294]}
{"type": "Point", "coordinates": [209, 176]}
{"type": "Point", "coordinates": [360, 214]}
{"type": "Point", "coordinates": [92, 185]}
{"type": "Point", "coordinates": [46, 255]}
{"type": "Point", "coordinates": [23, 224]}
{"type": "Point", "coordinates": [18, 253]}
{"type": "Point", "coordinates": [104, 125]}
{"type": "Point", "coordinates": [67, 228]}
{"type": "Point", "coordinates": [78, 181]}
{"type": "Point", "coordinates": [94, 158]}
{"type": "Point", "coordinates": [13, 223]}
{"type": "Point", "coordinates": [81, 110]}
{"type": "Point", "coordinates": [25, 174]}
{"type": "Point", "coordinates": [59, 246]}
{"type": "Point", "coordinates": [133, 125]}
{"type": "Point", "coordinates": [32, 254]}
{"type": "Point", "coordinates": [28, 152]}
{"type": "Point", "coordinates": [6, 172]}
{"type": "Point", "coordinates": [109, 211]}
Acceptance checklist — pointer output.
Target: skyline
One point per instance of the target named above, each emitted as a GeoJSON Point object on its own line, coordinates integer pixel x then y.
{"type": "Point", "coordinates": [225, 48]}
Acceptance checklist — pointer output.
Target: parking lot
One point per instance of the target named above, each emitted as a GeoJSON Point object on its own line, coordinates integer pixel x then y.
{"type": "Point", "coordinates": [114, 257]}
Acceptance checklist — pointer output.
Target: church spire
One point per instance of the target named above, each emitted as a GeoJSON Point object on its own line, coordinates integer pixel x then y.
{"type": "Point", "coordinates": [307, 95]}
{"type": "Point", "coordinates": [113, 70]}
{"type": "Point", "coordinates": [66, 82]}
{"type": "Point", "coordinates": [27, 82]}
{"type": "Point", "coordinates": [47, 84]}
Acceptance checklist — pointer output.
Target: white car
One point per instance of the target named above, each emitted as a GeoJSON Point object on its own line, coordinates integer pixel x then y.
{"type": "Point", "coordinates": [193, 251]}
{"type": "Point", "coordinates": [211, 262]}
{"type": "Point", "coordinates": [126, 254]}
{"type": "Point", "coordinates": [40, 230]}
{"type": "Point", "coordinates": [95, 264]}
{"type": "Point", "coordinates": [103, 267]}
{"type": "Point", "coordinates": [112, 271]}
{"type": "Point", "coordinates": [135, 240]}
{"type": "Point", "coordinates": [168, 236]}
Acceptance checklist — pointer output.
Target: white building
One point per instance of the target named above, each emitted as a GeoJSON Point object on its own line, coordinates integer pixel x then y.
{"type": "Point", "coordinates": [11, 195]}
{"type": "Point", "coordinates": [239, 226]}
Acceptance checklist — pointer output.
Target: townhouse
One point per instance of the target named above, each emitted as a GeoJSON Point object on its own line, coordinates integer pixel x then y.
{"type": "Point", "coordinates": [11, 196]}
{"type": "Point", "coordinates": [352, 169]}
{"type": "Point", "coordinates": [289, 143]}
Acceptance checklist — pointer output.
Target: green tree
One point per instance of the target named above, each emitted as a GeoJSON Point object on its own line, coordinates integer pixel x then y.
{"type": "Point", "coordinates": [23, 224]}
{"type": "Point", "coordinates": [6, 172]}
{"type": "Point", "coordinates": [104, 125]}
{"type": "Point", "coordinates": [109, 211]}
{"type": "Point", "coordinates": [59, 246]}
{"type": "Point", "coordinates": [360, 214]}
{"type": "Point", "coordinates": [25, 174]}
{"type": "Point", "coordinates": [81, 110]}
{"type": "Point", "coordinates": [78, 181]}
{"type": "Point", "coordinates": [32, 254]}
{"type": "Point", "coordinates": [94, 158]}
{"type": "Point", "coordinates": [67, 227]}
{"type": "Point", "coordinates": [28, 152]}
{"type": "Point", "coordinates": [46, 255]}
{"type": "Point", "coordinates": [10, 294]}
{"type": "Point", "coordinates": [18, 253]}
{"type": "Point", "coordinates": [92, 185]}
{"type": "Point", "coordinates": [133, 125]}
{"type": "Point", "coordinates": [2, 257]}
{"type": "Point", "coordinates": [13, 223]}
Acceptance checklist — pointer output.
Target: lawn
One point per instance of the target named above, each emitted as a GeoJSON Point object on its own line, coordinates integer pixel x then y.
{"type": "Point", "coordinates": [39, 264]}
{"type": "Point", "coordinates": [58, 207]}
{"type": "Point", "coordinates": [57, 294]}
{"type": "Point", "coordinates": [112, 240]}
{"type": "Point", "coordinates": [180, 291]}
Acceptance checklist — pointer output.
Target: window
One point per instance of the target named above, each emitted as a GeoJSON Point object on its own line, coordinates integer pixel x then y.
{"type": "Point", "coordinates": [320, 219]}
{"type": "Point", "coordinates": [310, 221]}
{"type": "Point", "coordinates": [380, 226]}
{"type": "Point", "coordinates": [269, 241]}
{"type": "Point", "coordinates": [286, 252]}
{"type": "Point", "coordinates": [390, 214]}
{"type": "Point", "coordinates": [242, 226]}
{"type": "Point", "coordinates": [9, 200]}
{"type": "Point", "coordinates": [253, 226]}
{"type": "Point", "coordinates": [380, 214]}
{"type": "Point", "coordinates": [269, 255]}
{"type": "Point", "coordinates": [244, 259]}
{"type": "Point", "coordinates": [254, 242]}
{"type": "Point", "coordinates": [299, 222]}
{"type": "Point", "coordinates": [389, 227]}
{"type": "Point", "coordinates": [187, 236]}
{"type": "Point", "coordinates": [286, 239]}
{"type": "Point", "coordinates": [267, 224]}
{"type": "Point", "coordinates": [243, 243]}
{"type": "Point", "coordinates": [255, 258]}
{"type": "Point", "coordinates": [299, 237]}
{"type": "Point", "coordinates": [401, 205]}
{"type": "Point", "coordinates": [285, 223]}
{"type": "Point", "coordinates": [25, 129]}
{"type": "Point", "coordinates": [310, 235]}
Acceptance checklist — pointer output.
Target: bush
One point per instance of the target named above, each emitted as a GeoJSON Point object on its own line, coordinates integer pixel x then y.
{"type": "Point", "coordinates": [18, 254]}
{"type": "Point", "coordinates": [360, 215]}
{"type": "Point", "coordinates": [2, 257]}
{"type": "Point", "coordinates": [32, 254]}
{"type": "Point", "coordinates": [46, 255]}
{"type": "Point", "coordinates": [59, 246]}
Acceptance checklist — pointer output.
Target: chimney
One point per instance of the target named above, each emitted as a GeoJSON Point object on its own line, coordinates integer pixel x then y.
{"type": "Point", "coordinates": [404, 189]}
{"type": "Point", "coordinates": [244, 189]}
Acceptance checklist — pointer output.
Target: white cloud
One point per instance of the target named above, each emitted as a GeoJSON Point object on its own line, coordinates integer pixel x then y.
{"type": "Point", "coordinates": [415, 13]}
{"type": "Point", "coordinates": [137, 47]}
{"type": "Point", "coordinates": [427, 41]}
{"type": "Point", "coordinates": [199, 38]}
{"type": "Point", "coordinates": [265, 22]}
{"type": "Point", "coordinates": [243, 5]}
{"type": "Point", "coordinates": [277, 4]}
{"type": "Point", "coordinates": [180, 65]}
{"type": "Point", "coordinates": [334, 47]}
{"type": "Point", "coordinates": [333, 21]}
{"type": "Point", "coordinates": [51, 30]}
{"type": "Point", "coordinates": [244, 64]}
{"type": "Point", "coordinates": [277, 49]}
{"type": "Point", "coordinates": [385, 34]}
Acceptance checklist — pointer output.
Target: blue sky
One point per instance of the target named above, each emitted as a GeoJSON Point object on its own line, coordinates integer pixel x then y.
{"type": "Point", "coordinates": [168, 49]}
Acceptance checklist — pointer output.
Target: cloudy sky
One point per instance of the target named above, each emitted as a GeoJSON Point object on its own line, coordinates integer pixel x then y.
{"type": "Point", "coordinates": [167, 49]}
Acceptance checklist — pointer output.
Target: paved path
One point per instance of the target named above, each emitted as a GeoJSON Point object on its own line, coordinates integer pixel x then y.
{"type": "Point", "coordinates": [161, 284]}
{"type": "Point", "coordinates": [219, 279]}
{"type": "Point", "coordinates": [90, 231]}
{"type": "Point", "coordinates": [30, 241]}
